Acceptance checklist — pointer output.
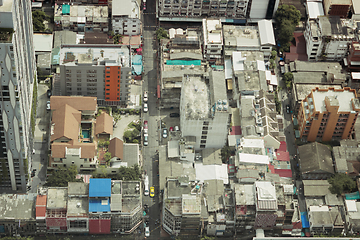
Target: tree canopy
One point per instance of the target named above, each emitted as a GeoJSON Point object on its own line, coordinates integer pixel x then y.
{"type": "Point", "coordinates": [125, 173]}
{"type": "Point", "coordinates": [288, 79]}
{"type": "Point", "coordinates": [38, 20]}
{"type": "Point", "coordinates": [161, 33]}
{"type": "Point", "coordinates": [286, 17]}
{"type": "Point", "coordinates": [61, 177]}
{"type": "Point", "coordinates": [341, 183]}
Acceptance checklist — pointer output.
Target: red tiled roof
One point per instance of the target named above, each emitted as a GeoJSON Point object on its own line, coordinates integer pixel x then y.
{"type": "Point", "coordinates": [282, 156]}
{"type": "Point", "coordinates": [271, 168]}
{"type": "Point", "coordinates": [236, 130]}
{"type": "Point", "coordinates": [297, 51]}
{"type": "Point", "coordinates": [40, 211]}
{"type": "Point", "coordinates": [284, 172]}
{"type": "Point", "coordinates": [282, 146]}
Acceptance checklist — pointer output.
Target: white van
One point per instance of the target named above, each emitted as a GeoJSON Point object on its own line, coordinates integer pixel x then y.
{"type": "Point", "coordinates": [146, 185]}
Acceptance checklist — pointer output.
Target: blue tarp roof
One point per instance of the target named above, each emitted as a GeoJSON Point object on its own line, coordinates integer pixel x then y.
{"type": "Point", "coordinates": [352, 196]}
{"type": "Point", "coordinates": [184, 62]}
{"type": "Point", "coordinates": [99, 205]}
{"type": "Point", "coordinates": [136, 60]}
{"type": "Point", "coordinates": [304, 220]}
{"type": "Point", "coordinates": [136, 69]}
{"type": "Point", "coordinates": [100, 187]}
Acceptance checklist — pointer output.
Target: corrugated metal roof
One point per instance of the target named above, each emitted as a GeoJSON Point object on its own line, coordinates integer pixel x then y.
{"type": "Point", "coordinates": [266, 32]}
{"type": "Point", "coordinates": [99, 205]}
{"type": "Point", "coordinates": [100, 187]}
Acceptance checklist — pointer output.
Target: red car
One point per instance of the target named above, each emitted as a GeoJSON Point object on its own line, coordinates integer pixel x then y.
{"type": "Point", "coordinates": [171, 129]}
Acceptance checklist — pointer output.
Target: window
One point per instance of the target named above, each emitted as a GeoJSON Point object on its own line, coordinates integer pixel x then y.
{"type": "Point", "coordinates": [79, 89]}
{"type": "Point", "coordinates": [204, 132]}
{"type": "Point", "coordinates": [78, 224]}
{"type": "Point", "coordinates": [205, 128]}
{"type": "Point", "coordinates": [203, 142]}
{"type": "Point", "coordinates": [202, 146]}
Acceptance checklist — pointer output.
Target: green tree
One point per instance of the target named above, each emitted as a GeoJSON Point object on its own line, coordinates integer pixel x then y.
{"type": "Point", "coordinates": [38, 20]}
{"type": "Point", "coordinates": [287, 12]}
{"type": "Point", "coordinates": [161, 34]}
{"type": "Point", "coordinates": [226, 152]}
{"type": "Point", "coordinates": [288, 79]}
{"type": "Point", "coordinates": [273, 54]}
{"type": "Point", "coordinates": [129, 173]}
{"type": "Point", "coordinates": [117, 38]}
{"type": "Point", "coordinates": [61, 177]}
{"type": "Point", "coordinates": [107, 156]}
{"type": "Point", "coordinates": [341, 183]}
{"type": "Point", "coordinates": [131, 135]}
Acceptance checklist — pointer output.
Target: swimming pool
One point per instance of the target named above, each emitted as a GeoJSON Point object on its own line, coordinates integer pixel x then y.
{"type": "Point", "coordinates": [86, 133]}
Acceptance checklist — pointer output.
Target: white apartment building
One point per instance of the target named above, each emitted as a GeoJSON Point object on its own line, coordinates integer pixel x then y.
{"type": "Point", "coordinates": [126, 17]}
{"type": "Point", "coordinates": [254, 10]}
{"type": "Point", "coordinates": [213, 39]}
{"type": "Point", "coordinates": [327, 38]}
{"type": "Point", "coordinates": [204, 111]}
{"type": "Point", "coordinates": [17, 61]}
{"type": "Point", "coordinates": [103, 72]}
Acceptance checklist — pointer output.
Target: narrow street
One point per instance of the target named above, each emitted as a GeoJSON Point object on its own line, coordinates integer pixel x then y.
{"type": "Point", "coordinates": [150, 160]}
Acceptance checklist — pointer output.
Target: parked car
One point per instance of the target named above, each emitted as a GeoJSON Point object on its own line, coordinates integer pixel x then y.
{"type": "Point", "coordinates": [177, 128]}
{"type": "Point", "coordinates": [146, 107]}
{"type": "Point", "coordinates": [48, 105]}
{"type": "Point", "coordinates": [287, 109]}
{"type": "Point", "coordinates": [48, 93]}
{"type": "Point", "coordinates": [174, 115]}
{"type": "Point", "coordinates": [145, 96]}
{"type": "Point", "coordinates": [146, 140]}
{"type": "Point", "coordinates": [146, 127]}
{"type": "Point", "coordinates": [152, 192]}
{"type": "Point", "coordinates": [171, 129]}
{"type": "Point", "coordinates": [147, 231]}
{"type": "Point", "coordinates": [165, 134]}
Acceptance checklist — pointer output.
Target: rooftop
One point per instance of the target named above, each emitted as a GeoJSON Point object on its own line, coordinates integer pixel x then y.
{"type": "Point", "coordinates": [78, 189]}
{"type": "Point", "coordinates": [316, 188]}
{"type": "Point", "coordinates": [100, 187]}
{"type": "Point", "coordinates": [315, 9]}
{"type": "Point", "coordinates": [6, 6]}
{"type": "Point", "coordinates": [99, 205]}
{"type": "Point", "coordinates": [303, 89]}
{"type": "Point", "coordinates": [332, 25]}
{"type": "Point", "coordinates": [191, 204]}
{"type": "Point", "coordinates": [77, 207]}
{"type": "Point", "coordinates": [57, 198]}
{"type": "Point", "coordinates": [266, 32]}
{"type": "Point", "coordinates": [342, 97]}
{"type": "Point", "coordinates": [129, 8]}
{"type": "Point", "coordinates": [265, 196]}
{"type": "Point", "coordinates": [43, 42]}
{"type": "Point", "coordinates": [64, 37]}
{"type": "Point", "coordinates": [17, 207]}
{"type": "Point", "coordinates": [109, 55]}
{"type": "Point", "coordinates": [209, 172]}
{"type": "Point", "coordinates": [241, 36]}
{"type": "Point", "coordinates": [211, 156]}
{"type": "Point", "coordinates": [212, 32]}
{"type": "Point", "coordinates": [195, 94]}
{"type": "Point", "coordinates": [244, 194]}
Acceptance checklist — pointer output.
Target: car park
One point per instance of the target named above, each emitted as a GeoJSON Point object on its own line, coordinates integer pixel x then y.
{"type": "Point", "coordinates": [146, 107]}
{"type": "Point", "coordinates": [174, 115]}
{"type": "Point", "coordinates": [164, 133]}
{"type": "Point", "coordinates": [145, 96]}
{"type": "Point", "coordinates": [152, 192]}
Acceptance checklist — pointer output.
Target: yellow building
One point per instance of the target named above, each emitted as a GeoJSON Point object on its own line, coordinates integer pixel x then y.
{"type": "Point", "coordinates": [327, 114]}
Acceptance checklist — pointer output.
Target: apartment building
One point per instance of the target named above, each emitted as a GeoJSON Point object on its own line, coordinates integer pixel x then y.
{"type": "Point", "coordinates": [213, 39]}
{"type": "Point", "coordinates": [327, 114]}
{"type": "Point", "coordinates": [254, 10]}
{"type": "Point", "coordinates": [125, 17]}
{"type": "Point", "coordinates": [18, 71]}
{"type": "Point", "coordinates": [103, 72]}
{"type": "Point", "coordinates": [353, 59]}
{"type": "Point", "coordinates": [327, 38]}
{"type": "Point", "coordinates": [204, 111]}
{"type": "Point", "coordinates": [81, 18]}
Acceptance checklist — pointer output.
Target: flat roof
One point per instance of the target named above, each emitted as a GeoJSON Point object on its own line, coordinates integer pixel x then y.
{"type": "Point", "coordinates": [253, 158]}
{"type": "Point", "coordinates": [195, 97]}
{"type": "Point", "coordinates": [78, 188]}
{"type": "Point", "coordinates": [17, 207]}
{"type": "Point", "coordinates": [6, 6]}
{"type": "Point", "coordinates": [42, 42]}
{"type": "Point", "coordinates": [100, 187]}
{"type": "Point", "coordinates": [244, 194]}
{"type": "Point", "coordinates": [209, 172]}
{"type": "Point", "coordinates": [343, 98]}
{"type": "Point", "coordinates": [241, 36]}
{"type": "Point", "coordinates": [191, 204]}
{"type": "Point", "coordinates": [213, 31]}
{"type": "Point", "coordinates": [77, 207]}
{"type": "Point", "coordinates": [314, 9]}
{"type": "Point", "coordinates": [57, 198]}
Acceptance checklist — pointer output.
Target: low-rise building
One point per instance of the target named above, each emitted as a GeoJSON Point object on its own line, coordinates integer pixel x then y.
{"type": "Point", "coordinates": [56, 209]}
{"type": "Point", "coordinates": [249, 38]}
{"type": "Point", "coordinates": [81, 18]}
{"type": "Point", "coordinates": [347, 157]}
{"type": "Point", "coordinates": [213, 40]}
{"type": "Point", "coordinates": [125, 17]}
{"type": "Point", "coordinates": [315, 161]}
{"type": "Point", "coordinates": [352, 216]}
{"type": "Point", "coordinates": [77, 215]}
{"type": "Point", "coordinates": [326, 114]}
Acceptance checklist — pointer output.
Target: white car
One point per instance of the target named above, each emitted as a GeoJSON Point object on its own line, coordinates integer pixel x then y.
{"type": "Point", "coordinates": [48, 105]}
{"type": "Point", "coordinates": [146, 107]}
{"type": "Point", "coordinates": [147, 232]}
{"type": "Point", "coordinates": [146, 140]}
{"type": "Point", "coordinates": [145, 96]}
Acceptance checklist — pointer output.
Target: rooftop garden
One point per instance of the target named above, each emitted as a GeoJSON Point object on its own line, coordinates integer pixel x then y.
{"type": "Point", "coordinates": [6, 34]}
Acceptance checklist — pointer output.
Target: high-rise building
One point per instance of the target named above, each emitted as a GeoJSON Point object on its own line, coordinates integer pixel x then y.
{"type": "Point", "coordinates": [17, 61]}
{"type": "Point", "coordinates": [327, 114]}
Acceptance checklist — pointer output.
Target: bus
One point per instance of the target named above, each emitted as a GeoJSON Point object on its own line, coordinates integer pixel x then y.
{"type": "Point", "coordinates": [146, 185]}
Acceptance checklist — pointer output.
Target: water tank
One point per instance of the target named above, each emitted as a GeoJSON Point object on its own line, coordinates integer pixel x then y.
{"type": "Point", "coordinates": [219, 101]}
{"type": "Point", "coordinates": [219, 107]}
{"type": "Point", "coordinates": [225, 107]}
{"type": "Point", "coordinates": [224, 101]}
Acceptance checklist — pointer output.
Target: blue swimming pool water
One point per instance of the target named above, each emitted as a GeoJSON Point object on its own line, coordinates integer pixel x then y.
{"type": "Point", "coordinates": [86, 133]}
